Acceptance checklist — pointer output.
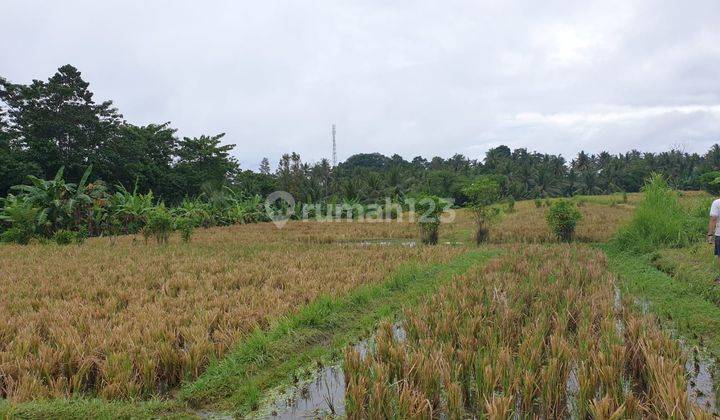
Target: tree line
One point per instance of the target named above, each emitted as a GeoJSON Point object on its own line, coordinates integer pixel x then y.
{"type": "Point", "coordinates": [54, 124]}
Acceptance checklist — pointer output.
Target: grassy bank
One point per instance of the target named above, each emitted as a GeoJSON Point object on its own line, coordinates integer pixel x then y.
{"type": "Point", "coordinates": [82, 408]}
{"type": "Point", "coordinates": [675, 301]}
{"type": "Point", "coordinates": [694, 265]}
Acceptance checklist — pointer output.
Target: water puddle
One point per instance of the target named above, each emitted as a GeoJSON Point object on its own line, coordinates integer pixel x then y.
{"type": "Point", "coordinates": [699, 368]}
{"type": "Point", "coordinates": [572, 389]}
{"type": "Point", "coordinates": [701, 382]}
{"type": "Point", "coordinates": [211, 415]}
{"type": "Point", "coordinates": [385, 242]}
{"type": "Point", "coordinates": [323, 395]}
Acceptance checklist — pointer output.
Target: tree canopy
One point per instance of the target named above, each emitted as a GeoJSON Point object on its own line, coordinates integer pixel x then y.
{"type": "Point", "coordinates": [53, 124]}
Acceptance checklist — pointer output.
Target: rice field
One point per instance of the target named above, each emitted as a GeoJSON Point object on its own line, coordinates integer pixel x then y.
{"type": "Point", "coordinates": [539, 332]}
{"type": "Point", "coordinates": [120, 318]}
{"type": "Point", "coordinates": [527, 223]}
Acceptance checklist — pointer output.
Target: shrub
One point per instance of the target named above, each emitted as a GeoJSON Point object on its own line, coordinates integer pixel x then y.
{"type": "Point", "coordinates": [186, 226]}
{"type": "Point", "coordinates": [482, 194]}
{"type": "Point", "coordinates": [511, 204]}
{"type": "Point", "coordinates": [159, 225]}
{"type": "Point", "coordinates": [562, 218]}
{"type": "Point", "coordinates": [659, 221]}
{"type": "Point", "coordinates": [65, 237]}
{"type": "Point", "coordinates": [428, 210]}
{"type": "Point", "coordinates": [391, 211]}
{"type": "Point", "coordinates": [23, 219]}
{"type": "Point", "coordinates": [538, 203]}
{"type": "Point", "coordinates": [16, 235]}
{"type": "Point", "coordinates": [624, 197]}
{"type": "Point", "coordinates": [82, 234]}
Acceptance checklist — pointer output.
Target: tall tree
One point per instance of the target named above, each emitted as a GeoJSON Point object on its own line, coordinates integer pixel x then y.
{"type": "Point", "coordinates": [143, 156]}
{"type": "Point", "coordinates": [204, 162]}
{"type": "Point", "coordinates": [58, 123]}
{"type": "Point", "coordinates": [265, 166]}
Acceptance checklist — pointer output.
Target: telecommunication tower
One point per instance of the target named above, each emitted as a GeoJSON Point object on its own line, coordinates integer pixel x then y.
{"type": "Point", "coordinates": [334, 161]}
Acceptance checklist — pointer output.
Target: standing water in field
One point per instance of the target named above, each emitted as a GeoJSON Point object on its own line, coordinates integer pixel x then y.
{"type": "Point", "coordinates": [701, 382]}
{"type": "Point", "coordinates": [323, 395]}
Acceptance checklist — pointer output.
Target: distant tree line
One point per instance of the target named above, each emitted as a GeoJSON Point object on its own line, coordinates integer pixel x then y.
{"type": "Point", "coordinates": [53, 124]}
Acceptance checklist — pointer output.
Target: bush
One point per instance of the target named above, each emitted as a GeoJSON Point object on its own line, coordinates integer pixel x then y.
{"type": "Point", "coordinates": [428, 210]}
{"type": "Point", "coordinates": [22, 218]}
{"type": "Point", "coordinates": [510, 205]}
{"type": "Point", "coordinates": [562, 218]}
{"type": "Point", "coordinates": [391, 211]}
{"type": "Point", "coordinates": [82, 234]}
{"type": "Point", "coordinates": [17, 235]}
{"type": "Point", "coordinates": [159, 225]}
{"type": "Point", "coordinates": [710, 182]}
{"type": "Point", "coordinates": [538, 203]}
{"type": "Point", "coordinates": [659, 221]}
{"type": "Point", "coordinates": [186, 226]}
{"type": "Point", "coordinates": [483, 193]}
{"type": "Point", "coordinates": [65, 237]}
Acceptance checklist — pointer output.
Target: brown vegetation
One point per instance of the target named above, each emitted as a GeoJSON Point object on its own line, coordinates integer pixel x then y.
{"type": "Point", "coordinates": [121, 318]}
{"type": "Point", "coordinates": [528, 224]}
{"type": "Point", "coordinates": [538, 332]}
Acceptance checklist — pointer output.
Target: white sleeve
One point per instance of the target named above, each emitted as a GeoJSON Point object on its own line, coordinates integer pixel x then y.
{"type": "Point", "coordinates": [715, 209]}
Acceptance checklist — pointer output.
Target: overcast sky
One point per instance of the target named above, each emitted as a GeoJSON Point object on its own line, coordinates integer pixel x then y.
{"type": "Point", "coordinates": [409, 77]}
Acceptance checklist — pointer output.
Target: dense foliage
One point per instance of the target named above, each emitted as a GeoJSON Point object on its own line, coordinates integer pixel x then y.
{"type": "Point", "coordinates": [68, 212]}
{"type": "Point", "coordinates": [56, 123]}
{"type": "Point", "coordinates": [45, 126]}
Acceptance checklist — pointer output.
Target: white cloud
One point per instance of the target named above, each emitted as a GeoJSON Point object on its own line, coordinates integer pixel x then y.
{"type": "Point", "coordinates": [407, 77]}
{"type": "Point", "coordinates": [613, 116]}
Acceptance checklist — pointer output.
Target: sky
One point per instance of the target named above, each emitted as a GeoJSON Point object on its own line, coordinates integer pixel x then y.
{"type": "Point", "coordinates": [410, 77]}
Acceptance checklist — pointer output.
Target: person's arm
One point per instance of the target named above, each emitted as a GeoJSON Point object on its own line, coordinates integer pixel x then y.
{"type": "Point", "coordinates": [714, 214]}
{"type": "Point", "coordinates": [711, 229]}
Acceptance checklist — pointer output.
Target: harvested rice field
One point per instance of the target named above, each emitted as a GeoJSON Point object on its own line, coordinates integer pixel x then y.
{"type": "Point", "coordinates": [125, 319]}
{"type": "Point", "coordinates": [538, 332]}
{"type": "Point", "coordinates": [242, 321]}
{"type": "Point", "coordinates": [527, 224]}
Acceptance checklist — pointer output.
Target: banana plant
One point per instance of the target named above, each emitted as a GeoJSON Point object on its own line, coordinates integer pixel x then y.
{"type": "Point", "coordinates": [196, 211]}
{"type": "Point", "coordinates": [56, 199]}
{"type": "Point", "coordinates": [247, 210]}
{"type": "Point", "coordinates": [130, 209]}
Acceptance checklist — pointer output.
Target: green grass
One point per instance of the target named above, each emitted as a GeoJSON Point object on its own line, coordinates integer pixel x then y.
{"type": "Point", "coordinates": [606, 199]}
{"type": "Point", "coordinates": [319, 331]}
{"type": "Point", "coordinates": [694, 265]}
{"type": "Point", "coordinates": [673, 300]}
{"type": "Point", "coordinates": [90, 408]}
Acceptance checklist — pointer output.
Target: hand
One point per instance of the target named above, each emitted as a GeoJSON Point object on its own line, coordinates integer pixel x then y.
{"type": "Point", "coordinates": [711, 239]}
